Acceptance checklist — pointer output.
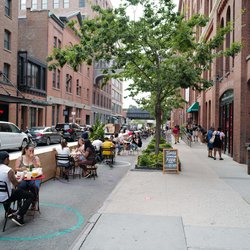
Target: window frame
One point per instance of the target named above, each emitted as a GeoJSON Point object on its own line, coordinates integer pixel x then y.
{"type": "Point", "coordinates": [8, 8]}
{"type": "Point", "coordinates": [56, 4]}
{"type": "Point", "coordinates": [22, 4]}
{"type": "Point", "coordinates": [82, 4]}
{"type": "Point", "coordinates": [6, 72]}
{"type": "Point", "coordinates": [7, 39]}
{"type": "Point", "coordinates": [34, 3]}
{"type": "Point", "coordinates": [44, 4]}
{"type": "Point", "coordinates": [65, 3]}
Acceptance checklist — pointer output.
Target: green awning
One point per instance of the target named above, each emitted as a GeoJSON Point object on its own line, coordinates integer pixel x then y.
{"type": "Point", "coordinates": [193, 108]}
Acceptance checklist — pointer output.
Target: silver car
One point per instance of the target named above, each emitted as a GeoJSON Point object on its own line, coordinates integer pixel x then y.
{"type": "Point", "coordinates": [45, 135]}
{"type": "Point", "coordinates": [11, 136]}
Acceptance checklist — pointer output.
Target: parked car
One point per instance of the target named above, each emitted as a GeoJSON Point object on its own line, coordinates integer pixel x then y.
{"type": "Point", "coordinates": [70, 131]}
{"type": "Point", "coordinates": [11, 136]}
{"type": "Point", "coordinates": [45, 135]}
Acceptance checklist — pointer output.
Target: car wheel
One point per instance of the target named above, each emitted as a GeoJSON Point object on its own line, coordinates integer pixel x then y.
{"type": "Point", "coordinates": [48, 141]}
{"type": "Point", "coordinates": [24, 144]}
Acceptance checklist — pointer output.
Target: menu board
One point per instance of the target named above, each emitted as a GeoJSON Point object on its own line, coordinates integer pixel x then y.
{"type": "Point", "coordinates": [170, 160]}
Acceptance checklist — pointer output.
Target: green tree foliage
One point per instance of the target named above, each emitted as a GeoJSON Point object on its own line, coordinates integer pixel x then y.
{"type": "Point", "coordinates": [158, 52]}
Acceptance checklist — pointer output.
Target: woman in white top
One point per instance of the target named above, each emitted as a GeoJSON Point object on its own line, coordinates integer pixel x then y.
{"type": "Point", "coordinates": [63, 151]}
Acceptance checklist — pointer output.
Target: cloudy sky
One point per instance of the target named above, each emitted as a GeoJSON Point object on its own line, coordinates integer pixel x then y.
{"type": "Point", "coordinates": [133, 13]}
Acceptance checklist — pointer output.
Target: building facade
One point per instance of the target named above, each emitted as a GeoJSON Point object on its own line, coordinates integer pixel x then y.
{"type": "Point", "coordinates": [91, 101]}
{"type": "Point", "coordinates": [226, 104]}
{"type": "Point", "coordinates": [9, 96]}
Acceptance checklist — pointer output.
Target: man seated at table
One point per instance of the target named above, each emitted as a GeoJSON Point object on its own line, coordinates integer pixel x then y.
{"type": "Point", "coordinates": [7, 175]}
{"type": "Point", "coordinates": [108, 147]}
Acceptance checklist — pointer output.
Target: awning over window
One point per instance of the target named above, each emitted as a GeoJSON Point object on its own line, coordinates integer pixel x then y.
{"type": "Point", "coordinates": [193, 108]}
{"type": "Point", "coordinates": [14, 99]}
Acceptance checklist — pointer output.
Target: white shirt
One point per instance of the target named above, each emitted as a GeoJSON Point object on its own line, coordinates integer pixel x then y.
{"type": "Point", "coordinates": [63, 152]}
{"type": "Point", "coordinates": [4, 170]}
{"type": "Point", "coordinates": [97, 144]}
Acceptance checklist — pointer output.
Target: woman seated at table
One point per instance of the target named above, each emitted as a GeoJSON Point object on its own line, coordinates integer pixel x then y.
{"type": "Point", "coordinates": [80, 148]}
{"type": "Point", "coordinates": [26, 162]}
{"type": "Point", "coordinates": [64, 151]}
{"type": "Point", "coordinates": [89, 155]}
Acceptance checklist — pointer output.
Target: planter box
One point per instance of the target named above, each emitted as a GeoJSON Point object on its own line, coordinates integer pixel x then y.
{"type": "Point", "coordinates": [137, 167]}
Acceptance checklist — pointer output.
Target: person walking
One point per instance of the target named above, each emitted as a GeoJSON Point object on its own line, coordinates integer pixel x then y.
{"type": "Point", "coordinates": [175, 132]}
{"type": "Point", "coordinates": [7, 175]}
{"type": "Point", "coordinates": [209, 142]}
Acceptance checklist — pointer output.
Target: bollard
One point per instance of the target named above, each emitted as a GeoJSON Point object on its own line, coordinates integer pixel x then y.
{"type": "Point", "coordinates": [248, 162]}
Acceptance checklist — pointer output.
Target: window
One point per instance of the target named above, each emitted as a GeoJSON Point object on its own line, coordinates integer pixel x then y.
{"type": "Point", "coordinates": [7, 35]}
{"type": "Point", "coordinates": [88, 72]}
{"type": "Point", "coordinates": [66, 3]}
{"type": "Point", "coordinates": [54, 78]}
{"type": "Point", "coordinates": [6, 71]}
{"type": "Point", "coordinates": [56, 4]}
{"type": "Point", "coordinates": [8, 8]}
{"type": "Point", "coordinates": [81, 3]}
{"type": "Point", "coordinates": [55, 42]}
{"type": "Point", "coordinates": [77, 87]}
{"type": "Point", "coordinates": [68, 83]}
{"type": "Point", "coordinates": [23, 4]}
{"type": "Point", "coordinates": [34, 76]}
{"type": "Point", "coordinates": [44, 4]}
{"type": "Point", "coordinates": [58, 79]}
{"type": "Point", "coordinates": [34, 4]}
{"type": "Point", "coordinates": [59, 44]}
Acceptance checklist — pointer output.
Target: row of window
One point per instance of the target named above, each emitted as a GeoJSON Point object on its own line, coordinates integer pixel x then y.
{"type": "Point", "coordinates": [116, 95]}
{"type": "Point", "coordinates": [102, 101]}
{"type": "Point", "coordinates": [44, 4]}
{"type": "Point", "coordinates": [116, 108]}
{"type": "Point", "coordinates": [56, 83]}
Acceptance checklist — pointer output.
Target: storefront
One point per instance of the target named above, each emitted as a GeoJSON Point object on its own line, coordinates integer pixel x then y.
{"type": "Point", "coordinates": [226, 120]}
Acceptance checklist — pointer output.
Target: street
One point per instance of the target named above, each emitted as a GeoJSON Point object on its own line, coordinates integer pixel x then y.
{"type": "Point", "coordinates": [65, 209]}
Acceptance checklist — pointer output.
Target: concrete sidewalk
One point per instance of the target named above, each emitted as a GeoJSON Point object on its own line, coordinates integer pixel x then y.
{"type": "Point", "coordinates": [206, 206]}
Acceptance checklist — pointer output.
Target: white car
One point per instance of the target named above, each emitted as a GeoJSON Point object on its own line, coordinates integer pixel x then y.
{"type": "Point", "coordinates": [11, 136]}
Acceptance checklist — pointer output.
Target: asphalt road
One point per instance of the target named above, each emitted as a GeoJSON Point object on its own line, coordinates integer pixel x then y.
{"type": "Point", "coordinates": [65, 209]}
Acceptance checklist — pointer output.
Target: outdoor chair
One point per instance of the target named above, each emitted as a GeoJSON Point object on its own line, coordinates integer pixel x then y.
{"type": "Point", "coordinates": [108, 155]}
{"type": "Point", "coordinates": [4, 189]}
{"type": "Point", "coordinates": [92, 170]}
{"type": "Point", "coordinates": [63, 166]}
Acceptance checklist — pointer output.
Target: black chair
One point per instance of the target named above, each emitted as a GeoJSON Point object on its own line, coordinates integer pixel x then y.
{"type": "Point", "coordinates": [63, 166]}
{"type": "Point", "coordinates": [4, 189]}
{"type": "Point", "coordinates": [108, 155]}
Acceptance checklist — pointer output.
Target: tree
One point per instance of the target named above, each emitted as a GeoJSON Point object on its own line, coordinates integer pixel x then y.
{"type": "Point", "coordinates": [158, 52]}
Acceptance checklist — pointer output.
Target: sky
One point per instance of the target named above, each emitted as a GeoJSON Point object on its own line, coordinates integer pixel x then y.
{"type": "Point", "coordinates": [133, 13]}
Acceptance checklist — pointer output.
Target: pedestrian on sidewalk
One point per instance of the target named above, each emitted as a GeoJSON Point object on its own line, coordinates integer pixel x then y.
{"type": "Point", "coordinates": [218, 142]}
{"type": "Point", "coordinates": [175, 132]}
{"type": "Point", "coordinates": [210, 144]}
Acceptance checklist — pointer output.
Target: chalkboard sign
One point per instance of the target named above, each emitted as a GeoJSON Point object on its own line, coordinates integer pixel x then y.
{"type": "Point", "coordinates": [170, 160]}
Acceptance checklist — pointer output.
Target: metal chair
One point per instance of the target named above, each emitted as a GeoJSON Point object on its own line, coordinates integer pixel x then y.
{"type": "Point", "coordinates": [63, 166]}
{"type": "Point", "coordinates": [4, 189]}
{"type": "Point", "coordinates": [108, 155]}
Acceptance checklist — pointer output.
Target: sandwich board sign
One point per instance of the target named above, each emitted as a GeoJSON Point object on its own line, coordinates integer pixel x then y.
{"type": "Point", "coordinates": [170, 160]}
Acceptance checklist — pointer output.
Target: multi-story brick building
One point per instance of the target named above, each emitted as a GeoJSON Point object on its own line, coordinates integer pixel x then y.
{"type": "Point", "coordinates": [74, 106]}
{"type": "Point", "coordinates": [9, 96]}
{"type": "Point", "coordinates": [226, 104]}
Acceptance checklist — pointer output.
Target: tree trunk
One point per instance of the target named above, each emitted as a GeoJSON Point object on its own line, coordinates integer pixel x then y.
{"type": "Point", "coordinates": [158, 125]}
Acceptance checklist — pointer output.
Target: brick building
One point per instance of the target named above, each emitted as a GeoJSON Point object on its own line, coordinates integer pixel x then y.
{"type": "Point", "coordinates": [90, 101]}
{"type": "Point", "coordinates": [9, 96]}
{"type": "Point", "coordinates": [226, 104]}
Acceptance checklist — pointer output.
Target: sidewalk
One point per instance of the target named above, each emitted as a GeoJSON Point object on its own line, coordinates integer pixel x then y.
{"type": "Point", "coordinates": [206, 206]}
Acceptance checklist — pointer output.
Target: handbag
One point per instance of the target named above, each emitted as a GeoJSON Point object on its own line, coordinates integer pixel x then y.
{"type": "Point", "coordinates": [212, 139]}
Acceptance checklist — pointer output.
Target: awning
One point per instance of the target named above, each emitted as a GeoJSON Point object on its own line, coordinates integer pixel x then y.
{"type": "Point", "coordinates": [13, 99]}
{"type": "Point", "coordinates": [193, 108]}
